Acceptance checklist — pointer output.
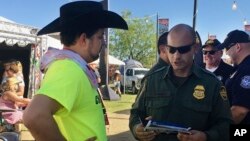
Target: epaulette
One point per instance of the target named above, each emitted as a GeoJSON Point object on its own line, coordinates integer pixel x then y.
{"type": "Point", "coordinates": [155, 71]}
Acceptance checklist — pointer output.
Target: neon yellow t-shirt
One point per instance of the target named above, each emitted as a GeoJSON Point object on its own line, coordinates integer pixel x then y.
{"type": "Point", "coordinates": [81, 116]}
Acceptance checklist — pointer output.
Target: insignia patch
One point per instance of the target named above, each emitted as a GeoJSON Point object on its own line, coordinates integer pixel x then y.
{"type": "Point", "coordinates": [223, 93]}
{"type": "Point", "coordinates": [245, 82]}
{"type": "Point", "coordinates": [199, 92]}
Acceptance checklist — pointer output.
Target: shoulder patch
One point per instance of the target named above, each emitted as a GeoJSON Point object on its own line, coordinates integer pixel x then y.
{"type": "Point", "coordinates": [223, 93]}
{"type": "Point", "coordinates": [245, 82]}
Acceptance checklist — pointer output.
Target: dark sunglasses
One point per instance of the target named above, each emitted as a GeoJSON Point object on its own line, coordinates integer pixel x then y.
{"type": "Point", "coordinates": [181, 49]}
{"type": "Point", "coordinates": [231, 45]}
{"type": "Point", "coordinates": [211, 52]}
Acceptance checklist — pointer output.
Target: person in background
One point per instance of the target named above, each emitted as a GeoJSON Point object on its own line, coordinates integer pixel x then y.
{"type": "Point", "coordinates": [163, 58]}
{"type": "Point", "coordinates": [93, 66]}
{"type": "Point", "coordinates": [13, 84]}
{"type": "Point", "coordinates": [237, 45]}
{"type": "Point", "coordinates": [182, 94]}
{"type": "Point", "coordinates": [67, 107]}
{"type": "Point", "coordinates": [162, 51]}
{"type": "Point", "coordinates": [213, 61]}
{"type": "Point", "coordinates": [117, 82]}
{"type": "Point", "coordinates": [12, 90]}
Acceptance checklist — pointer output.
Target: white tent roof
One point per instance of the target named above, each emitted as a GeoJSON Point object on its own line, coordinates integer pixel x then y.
{"type": "Point", "coordinates": [12, 32]}
{"type": "Point", "coordinates": [112, 61]}
{"type": "Point", "coordinates": [53, 42]}
{"type": "Point", "coordinates": [6, 20]}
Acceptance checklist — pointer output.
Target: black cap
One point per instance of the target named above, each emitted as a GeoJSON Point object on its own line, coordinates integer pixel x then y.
{"type": "Point", "coordinates": [235, 36]}
{"type": "Point", "coordinates": [212, 42]}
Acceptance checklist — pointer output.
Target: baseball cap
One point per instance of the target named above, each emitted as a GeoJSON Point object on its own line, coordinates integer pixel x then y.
{"type": "Point", "coordinates": [117, 71]}
{"type": "Point", "coordinates": [235, 36]}
{"type": "Point", "coordinates": [212, 42]}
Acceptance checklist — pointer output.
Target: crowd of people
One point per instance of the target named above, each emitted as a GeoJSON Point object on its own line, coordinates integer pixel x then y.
{"type": "Point", "coordinates": [207, 98]}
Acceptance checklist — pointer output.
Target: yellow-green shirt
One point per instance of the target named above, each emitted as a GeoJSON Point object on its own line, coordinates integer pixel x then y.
{"type": "Point", "coordinates": [81, 115]}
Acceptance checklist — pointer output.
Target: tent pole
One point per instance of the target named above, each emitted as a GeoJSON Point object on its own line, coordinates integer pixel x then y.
{"type": "Point", "coordinates": [124, 82]}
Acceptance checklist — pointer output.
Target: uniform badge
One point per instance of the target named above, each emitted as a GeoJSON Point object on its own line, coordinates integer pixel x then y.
{"type": "Point", "coordinates": [199, 92]}
{"type": "Point", "coordinates": [245, 82]}
{"type": "Point", "coordinates": [223, 93]}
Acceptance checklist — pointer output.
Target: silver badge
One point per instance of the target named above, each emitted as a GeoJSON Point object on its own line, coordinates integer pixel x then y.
{"type": "Point", "coordinates": [245, 82]}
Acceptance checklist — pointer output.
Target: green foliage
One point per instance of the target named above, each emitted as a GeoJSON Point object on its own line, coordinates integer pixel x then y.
{"type": "Point", "coordinates": [139, 42]}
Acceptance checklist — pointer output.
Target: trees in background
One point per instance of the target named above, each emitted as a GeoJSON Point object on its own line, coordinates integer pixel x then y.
{"type": "Point", "coordinates": [139, 42]}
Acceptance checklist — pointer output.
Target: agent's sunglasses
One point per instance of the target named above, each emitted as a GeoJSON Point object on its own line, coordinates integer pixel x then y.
{"type": "Point", "coordinates": [211, 52]}
{"type": "Point", "coordinates": [181, 49]}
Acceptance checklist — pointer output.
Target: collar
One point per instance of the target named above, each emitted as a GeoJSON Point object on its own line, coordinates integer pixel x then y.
{"type": "Point", "coordinates": [162, 62]}
{"type": "Point", "coordinates": [245, 61]}
{"type": "Point", "coordinates": [195, 70]}
{"type": "Point", "coordinates": [54, 54]}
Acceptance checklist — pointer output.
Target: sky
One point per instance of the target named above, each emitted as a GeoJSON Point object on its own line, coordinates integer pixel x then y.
{"type": "Point", "coordinates": [214, 17]}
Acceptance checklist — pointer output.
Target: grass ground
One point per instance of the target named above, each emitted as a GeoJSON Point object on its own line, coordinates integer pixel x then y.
{"type": "Point", "coordinates": [118, 113]}
{"type": "Point", "coordinates": [124, 104]}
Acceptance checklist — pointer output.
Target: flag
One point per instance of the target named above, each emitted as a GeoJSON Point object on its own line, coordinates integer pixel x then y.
{"type": "Point", "coordinates": [163, 26]}
{"type": "Point", "coordinates": [247, 28]}
{"type": "Point", "coordinates": [212, 37]}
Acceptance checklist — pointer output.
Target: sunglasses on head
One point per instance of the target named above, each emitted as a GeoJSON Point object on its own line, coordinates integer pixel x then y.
{"type": "Point", "coordinates": [211, 52]}
{"type": "Point", "coordinates": [181, 49]}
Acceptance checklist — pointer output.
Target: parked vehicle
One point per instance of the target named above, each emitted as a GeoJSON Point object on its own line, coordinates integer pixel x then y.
{"type": "Point", "coordinates": [132, 79]}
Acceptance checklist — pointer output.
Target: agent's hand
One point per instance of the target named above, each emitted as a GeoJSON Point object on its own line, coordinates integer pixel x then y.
{"type": "Point", "coordinates": [193, 136]}
{"type": "Point", "coordinates": [91, 139]}
{"type": "Point", "coordinates": [144, 135]}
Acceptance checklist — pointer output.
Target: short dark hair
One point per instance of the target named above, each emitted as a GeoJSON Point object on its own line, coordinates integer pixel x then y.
{"type": "Point", "coordinates": [162, 41]}
{"type": "Point", "coordinates": [70, 34]}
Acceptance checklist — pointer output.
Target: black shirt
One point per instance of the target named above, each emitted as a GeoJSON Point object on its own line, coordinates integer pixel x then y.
{"type": "Point", "coordinates": [224, 71]}
{"type": "Point", "coordinates": [238, 87]}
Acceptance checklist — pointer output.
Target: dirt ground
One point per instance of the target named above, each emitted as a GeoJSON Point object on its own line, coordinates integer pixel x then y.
{"type": "Point", "coordinates": [118, 129]}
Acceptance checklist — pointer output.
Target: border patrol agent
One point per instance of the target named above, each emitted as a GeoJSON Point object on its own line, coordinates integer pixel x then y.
{"type": "Point", "coordinates": [198, 101]}
{"type": "Point", "coordinates": [237, 46]}
{"type": "Point", "coordinates": [163, 58]}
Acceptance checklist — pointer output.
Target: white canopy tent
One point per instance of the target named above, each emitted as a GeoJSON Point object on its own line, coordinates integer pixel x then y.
{"type": "Point", "coordinates": [111, 60]}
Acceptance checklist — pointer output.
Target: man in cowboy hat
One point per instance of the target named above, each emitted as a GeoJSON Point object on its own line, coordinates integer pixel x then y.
{"type": "Point", "coordinates": [67, 105]}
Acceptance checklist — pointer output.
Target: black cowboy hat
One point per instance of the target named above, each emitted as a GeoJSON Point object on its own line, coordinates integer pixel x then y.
{"type": "Point", "coordinates": [84, 13]}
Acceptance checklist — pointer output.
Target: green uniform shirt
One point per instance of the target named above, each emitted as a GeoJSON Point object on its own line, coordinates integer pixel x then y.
{"type": "Point", "coordinates": [199, 102]}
